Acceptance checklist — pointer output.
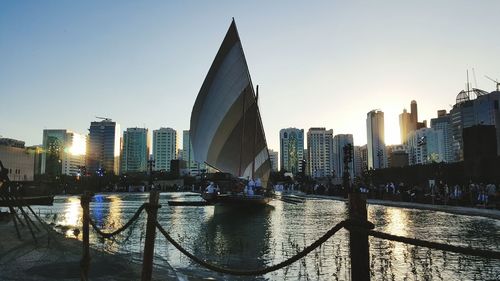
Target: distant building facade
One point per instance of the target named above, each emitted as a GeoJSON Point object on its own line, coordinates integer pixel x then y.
{"type": "Point", "coordinates": [17, 160]}
{"type": "Point", "coordinates": [474, 107]}
{"type": "Point", "coordinates": [426, 146]}
{"type": "Point", "coordinates": [397, 156]}
{"type": "Point", "coordinates": [320, 150]}
{"type": "Point", "coordinates": [443, 123]}
{"type": "Point", "coordinates": [405, 125]}
{"type": "Point", "coordinates": [273, 156]}
{"type": "Point", "coordinates": [103, 147]}
{"type": "Point", "coordinates": [192, 167]}
{"type": "Point", "coordinates": [376, 140]}
{"type": "Point", "coordinates": [339, 142]}
{"type": "Point", "coordinates": [135, 150]}
{"type": "Point", "coordinates": [291, 149]}
{"type": "Point", "coordinates": [165, 146]}
{"type": "Point", "coordinates": [359, 165]}
{"type": "Point", "coordinates": [63, 152]}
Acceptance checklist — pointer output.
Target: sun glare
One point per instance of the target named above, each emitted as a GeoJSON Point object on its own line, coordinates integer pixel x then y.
{"type": "Point", "coordinates": [79, 145]}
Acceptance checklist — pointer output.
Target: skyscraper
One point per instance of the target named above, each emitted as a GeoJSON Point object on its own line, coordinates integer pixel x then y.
{"type": "Point", "coordinates": [320, 150]}
{"type": "Point", "coordinates": [273, 156]}
{"type": "Point", "coordinates": [291, 149]}
{"type": "Point", "coordinates": [135, 151]}
{"type": "Point", "coordinates": [474, 107]}
{"type": "Point", "coordinates": [103, 147]}
{"type": "Point", "coordinates": [63, 152]}
{"type": "Point", "coordinates": [443, 123]}
{"type": "Point", "coordinates": [405, 125]}
{"type": "Point", "coordinates": [425, 145]}
{"type": "Point", "coordinates": [339, 142]}
{"type": "Point", "coordinates": [165, 145]}
{"type": "Point", "coordinates": [413, 115]}
{"type": "Point", "coordinates": [376, 139]}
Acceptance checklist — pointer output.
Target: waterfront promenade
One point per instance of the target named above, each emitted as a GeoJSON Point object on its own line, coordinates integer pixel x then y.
{"type": "Point", "coordinates": [459, 210]}
{"type": "Point", "coordinates": [56, 257]}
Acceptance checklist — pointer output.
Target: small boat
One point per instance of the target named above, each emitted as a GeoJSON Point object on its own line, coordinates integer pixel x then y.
{"type": "Point", "coordinates": [226, 128]}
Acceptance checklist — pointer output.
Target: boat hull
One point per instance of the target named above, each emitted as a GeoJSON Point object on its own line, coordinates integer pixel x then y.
{"type": "Point", "coordinates": [236, 200]}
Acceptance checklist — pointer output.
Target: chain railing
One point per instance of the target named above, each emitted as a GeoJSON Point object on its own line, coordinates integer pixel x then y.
{"type": "Point", "coordinates": [357, 225]}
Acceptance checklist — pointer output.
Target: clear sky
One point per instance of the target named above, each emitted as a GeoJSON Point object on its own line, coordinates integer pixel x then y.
{"type": "Point", "coordinates": [318, 63]}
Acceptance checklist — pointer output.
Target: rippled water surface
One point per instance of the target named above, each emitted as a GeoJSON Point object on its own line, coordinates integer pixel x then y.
{"type": "Point", "coordinates": [254, 239]}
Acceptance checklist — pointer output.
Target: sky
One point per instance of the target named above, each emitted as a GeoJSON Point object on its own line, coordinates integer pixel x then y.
{"type": "Point", "coordinates": [317, 63]}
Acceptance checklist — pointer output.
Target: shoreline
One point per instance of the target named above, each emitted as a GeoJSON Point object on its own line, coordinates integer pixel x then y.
{"type": "Point", "coordinates": [458, 210]}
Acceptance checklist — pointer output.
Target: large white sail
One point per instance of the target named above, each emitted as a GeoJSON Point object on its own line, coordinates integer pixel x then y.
{"type": "Point", "coordinates": [226, 127]}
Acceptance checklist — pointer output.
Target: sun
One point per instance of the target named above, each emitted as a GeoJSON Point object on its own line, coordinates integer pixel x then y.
{"type": "Point", "coordinates": [79, 146]}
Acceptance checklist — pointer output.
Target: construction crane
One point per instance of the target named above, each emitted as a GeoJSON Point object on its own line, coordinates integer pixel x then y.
{"type": "Point", "coordinates": [495, 81]}
{"type": "Point", "coordinates": [104, 118]}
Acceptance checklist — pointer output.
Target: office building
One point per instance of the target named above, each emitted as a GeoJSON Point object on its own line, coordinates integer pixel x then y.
{"type": "Point", "coordinates": [405, 125]}
{"type": "Point", "coordinates": [291, 149]}
{"type": "Point", "coordinates": [165, 146]}
{"type": "Point", "coordinates": [136, 145]}
{"type": "Point", "coordinates": [425, 146]}
{"type": "Point", "coordinates": [376, 139]}
{"type": "Point", "coordinates": [103, 147]}
{"type": "Point", "coordinates": [273, 156]}
{"type": "Point", "coordinates": [443, 123]}
{"type": "Point", "coordinates": [474, 107]}
{"type": "Point", "coordinates": [63, 152]}
{"type": "Point", "coordinates": [320, 150]}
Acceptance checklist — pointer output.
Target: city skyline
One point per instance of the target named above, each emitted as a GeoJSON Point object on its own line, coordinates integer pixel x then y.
{"type": "Point", "coordinates": [87, 59]}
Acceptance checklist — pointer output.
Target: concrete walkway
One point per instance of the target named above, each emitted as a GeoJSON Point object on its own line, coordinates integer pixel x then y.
{"type": "Point", "coordinates": [56, 257]}
{"type": "Point", "coordinates": [488, 213]}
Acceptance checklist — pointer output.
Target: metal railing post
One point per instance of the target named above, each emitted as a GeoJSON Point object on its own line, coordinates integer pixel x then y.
{"type": "Point", "coordinates": [358, 241]}
{"type": "Point", "coordinates": [85, 261]}
{"type": "Point", "coordinates": [149, 244]}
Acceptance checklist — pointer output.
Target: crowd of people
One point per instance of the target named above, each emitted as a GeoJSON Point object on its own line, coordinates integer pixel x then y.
{"type": "Point", "coordinates": [471, 194]}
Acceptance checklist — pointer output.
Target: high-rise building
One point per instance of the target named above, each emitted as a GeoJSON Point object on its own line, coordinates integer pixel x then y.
{"type": "Point", "coordinates": [135, 150]}
{"type": "Point", "coordinates": [359, 166]}
{"type": "Point", "coordinates": [320, 150]}
{"type": "Point", "coordinates": [193, 167]}
{"type": "Point", "coordinates": [165, 146]}
{"type": "Point", "coordinates": [291, 149]}
{"type": "Point", "coordinates": [443, 123]}
{"type": "Point", "coordinates": [103, 147]}
{"type": "Point", "coordinates": [339, 142]}
{"type": "Point", "coordinates": [425, 146]}
{"type": "Point", "coordinates": [474, 107]}
{"type": "Point", "coordinates": [397, 156]}
{"type": "Point", "coordinates": [63, 152]}
{"type": "Point", "coordinates": [376, 139]}
{"type": "Point", "coordinates": [413, 115]}
{"type": "Point", "coordinates": [273, 156]}
{"type": "Point", "coordinates": [405, 125]}
{"type": "Point", "coordinates": [17, 160]}
{"type": "Point", "coordinates": [37, 151]}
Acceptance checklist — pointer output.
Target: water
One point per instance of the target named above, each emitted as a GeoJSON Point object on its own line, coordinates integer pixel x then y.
{"type": "Point", "coordinates": [249, 240]}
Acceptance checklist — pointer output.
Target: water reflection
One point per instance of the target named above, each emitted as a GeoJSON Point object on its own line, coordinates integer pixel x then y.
{"type": "Point", "coordinates": [72, 216]}
{"type": "Point", "coordinates": [237, 238]}
{"type": "Point", "coordinates": [253, 240]}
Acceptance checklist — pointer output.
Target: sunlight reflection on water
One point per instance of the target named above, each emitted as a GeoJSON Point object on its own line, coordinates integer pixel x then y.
{"type": "Point", "coordinates": [249, 240]}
